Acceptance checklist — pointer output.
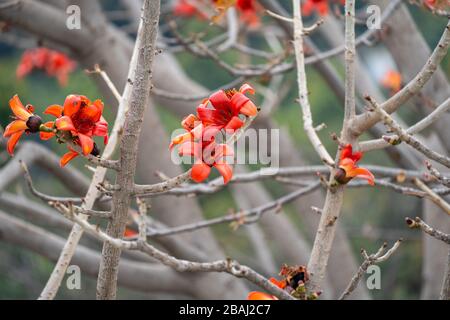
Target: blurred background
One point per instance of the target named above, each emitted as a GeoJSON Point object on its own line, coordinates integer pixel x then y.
{"type": "Point", "coordinates": [371, 215]}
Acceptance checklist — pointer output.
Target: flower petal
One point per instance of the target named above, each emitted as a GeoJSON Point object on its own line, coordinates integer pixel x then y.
{"type": "Point", "coordinates": [190, 148]}
{"type": "Point", "coordinates": [200, 171]}
{"type": "Point", "coordinates": [13, 141]}
{"type": "Point", "coordinates": [181, 138]}
{"type": "Point", "coordinates": [280, 284]}
{"type": "Point", "coordinates": [92, 112]}
{"type": "Point", "coordinates": [346, 151]}
{"type": "Point", "coordinates": [68, 157]}
{"type": "Point", "coordinates": [18, 109]}
{"type": "Point", "coordinates": [54, 110]}
{"type": "Point", "coordinates": [220, 100]}
{"type": "Point", "coordinates": [362, 173]}
{"type": "Point", "coordinates": [256, 295]}
{"type": "Point", "coordinates": [73, 103]}
{"type": "Point", "coordinates": [65, 124]}
{"type": "Point", "coordinates": [47, 135]}
{"type": "Point", "coordinates": [222, 150]}
{"type": "Point", "coordinates": [234, 124]}
{"type": "Point", "coordinates": [15, 126]}
{"type": "Point", "coordinates": [86, 142]}
{"type": "Point", "coordinates": [189, 122]}
{"type": "Point", "coordinates": [211, 116]}
{"type": "Point", "coordinates": [130, 233]}
{"type": "Point", "coordinates": [246, 88]}
{"type": "Point", "coordinates": [225, 170]}
{"type": "Point", "coordinates": [244, 105]}
{"type": "Point", "coordinates": [100, 129]}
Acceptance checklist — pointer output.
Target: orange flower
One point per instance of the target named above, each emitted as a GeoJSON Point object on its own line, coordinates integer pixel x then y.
{"type": "Point", "coordinates": [24, 121]}
{"type": "Point", "coordinates": [54, 63]}
{"type": "Point", "coordinates": [392, 80]}
{"type": "Point", "coordinates": [257, 295]}
{"type": "Point", "coordinates": [321, 6]}
{"type": "Point", "coordinates": [82, 119]}
{"type": "Point", "coordinates": [348, 168]}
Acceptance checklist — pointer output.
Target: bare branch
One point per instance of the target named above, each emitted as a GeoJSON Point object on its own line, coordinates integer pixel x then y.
{"type": "Point", "coordinates": [365, 121]}
{"type": "Point", "coordinates": [404, 136]}
{"type": "Point", "coordinates": [417, 223]}
{"type": "Point", "coordinates": [303, 88]}
{"type": "Point", "coordinates": [416, 128]}
{"type": "Point", "coordinates": [369, 260]}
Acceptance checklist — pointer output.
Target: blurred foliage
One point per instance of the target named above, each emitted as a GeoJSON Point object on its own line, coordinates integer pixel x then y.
{"type": "Point", "coordinates": [22, 274]}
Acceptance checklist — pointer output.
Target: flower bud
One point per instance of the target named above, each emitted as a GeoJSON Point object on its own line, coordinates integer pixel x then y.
{"type": "Point", "coordinates": [95, 151]}
{"type": "Point", "coordinates": [341, 176]}
{"type": "Point", "coordinates": [33, 123]}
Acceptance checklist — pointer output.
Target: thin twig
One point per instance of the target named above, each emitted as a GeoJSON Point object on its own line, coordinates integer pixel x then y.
{"type": "Point", "coordinates": [368, 261]}
{"type": "Point", "coordinates": [404, 136]}
{"type": "Point", "coordinates": [420, 224]}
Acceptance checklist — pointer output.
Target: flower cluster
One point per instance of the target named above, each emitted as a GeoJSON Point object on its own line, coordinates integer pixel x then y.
{"type": "Point", "coordinates": [247, 9]}
{"type": "Point", "coordinates": [348, 168]}
{"type": "Point", "coordinates": [221, 112]}
{"type": "Point", "coordinates": [293, 281]}
{"type": "Point", "coordinates": [77, 122]}
{"type": "Point", "coordinates": [54, 63]}
{"type": "Point", "coordinates": [322, 7]}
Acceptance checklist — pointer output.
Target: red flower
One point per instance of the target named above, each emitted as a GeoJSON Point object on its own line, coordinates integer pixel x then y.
{"type": "Point", "coordinates": [256, 295]}
{"type": "Point", "coordinates": [206, 156]}
{"type": "Point", "coordinates": [437, 4]}
{"type": "Point", "coordinates": [348, 168]}
{"type": "Point", "coordinates": [55, 63]}
{"type": "Point", "coordinates": [321, 6]}
{"type": "Point", "coordinates": [221, 111]}
{"type": "Point", "coordinates": [187, 8]}
{"type": "Point", "coordinates": [226, 106]}
{"type": "Point", "coordinates": [246, 8]}
{"type": "Point", "coordinates": [392, 80]}
{"type": "Point", "coordinates": [25, 121]}
{"type": "Point", "coordinates": [130, 233]}
{"type": "Point", "coordinates": [83, 119]}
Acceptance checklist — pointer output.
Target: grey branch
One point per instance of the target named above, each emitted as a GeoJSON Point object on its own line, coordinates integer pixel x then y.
{"type": "Point", "coordinates": [365, 121]}
{"type": "Point", "coordinates": [417, 223]}
{"type": "Point", "coordinates": [406, 137]}
{"type": "Point", "coordinates": [369, 260]}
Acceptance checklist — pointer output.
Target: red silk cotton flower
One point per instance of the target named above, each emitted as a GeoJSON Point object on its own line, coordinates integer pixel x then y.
{"type": "Point", "coordinates": [54, 63]}
{"type": "Point", "coordinates": [257, 295]}
{"type": "Point", "coordinates": [82, 119]}
{"type": "Point", "coordinates": [348, 168]}
{"type": "Point", "coordinates": [321, 6]}
{"type": "Point", "coordinates": [223, 110]}
{"type": "Point", "coordinates": [246, 8]}
{"type": "Point", "coordinates": [220, 111]}
{"type": "Point", "coordinates": [187, 8]}
{"type": "Point", "coordinates": [24, 121]}
{"type": "Point", "coordinates": [206, 156]}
